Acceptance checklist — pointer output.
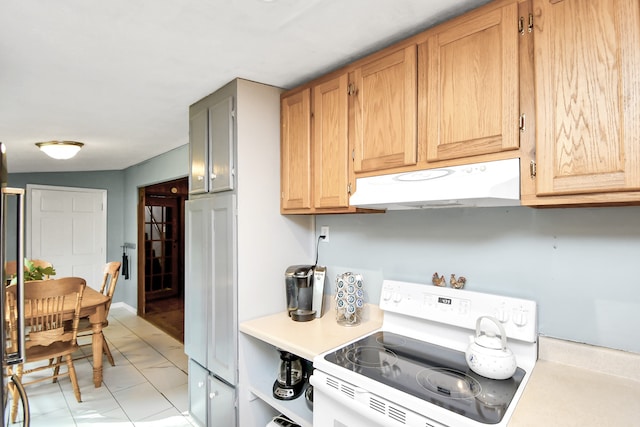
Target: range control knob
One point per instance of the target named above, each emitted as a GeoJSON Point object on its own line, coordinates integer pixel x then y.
{"type": "Point", "coordinates": [386, 295]}
{"type": "Point", "coordinates": [520, 317]}
{"type": "Point", "coordinates": [502, 315]}
{"type": "Point", "coordinates": [397, 297]}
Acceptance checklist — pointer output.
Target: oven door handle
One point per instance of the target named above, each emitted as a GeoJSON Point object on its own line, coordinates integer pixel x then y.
{"type": "Point", "coordinates": [321, 389]}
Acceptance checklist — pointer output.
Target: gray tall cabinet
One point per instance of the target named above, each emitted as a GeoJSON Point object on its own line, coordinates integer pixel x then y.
{"type": "Point", "coordinates": [238, 244]}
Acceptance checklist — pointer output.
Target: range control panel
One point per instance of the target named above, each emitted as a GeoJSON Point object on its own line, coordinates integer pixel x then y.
{"type": "Point", "coordinates": [461, 308]}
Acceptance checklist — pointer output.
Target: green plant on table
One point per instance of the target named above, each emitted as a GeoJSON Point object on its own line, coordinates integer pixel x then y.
{"type": "Point", "coordinates": [35, 272]}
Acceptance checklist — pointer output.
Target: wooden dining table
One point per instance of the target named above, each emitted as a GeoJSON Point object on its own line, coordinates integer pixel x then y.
{"type": "Point", "coordinates": [94, 307]}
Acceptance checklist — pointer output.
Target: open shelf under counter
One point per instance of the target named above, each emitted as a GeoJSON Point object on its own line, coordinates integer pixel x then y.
{"type": "Point", "coordinates": [309, 339]}
{"type": "Point", "coordinates": [296, 409]}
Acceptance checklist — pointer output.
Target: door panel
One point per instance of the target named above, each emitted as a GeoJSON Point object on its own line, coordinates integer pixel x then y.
{"type": "Point", "coordinates": [331, 144]}
{"type": "Point", "coordinates": [222, 399]}
{"type": "Point", "coordinates": [384, 106]}
{"type": "Point", "coordinates": [222, 342]}
{"type": "Point", "coordinates": [296, 151]}
{"type": "Point", "coordinates": [221, 145]}
{"type": "Point", "coordinates": [470, 86]}
{"type": "Point", "coordinates": [587, 56]}
{"type": "Point", "coordinates": [197, 277]}
{"type": "Point", "coordinates": [68, 227]}
{"type": "Point", "coordinates": [198, 153]}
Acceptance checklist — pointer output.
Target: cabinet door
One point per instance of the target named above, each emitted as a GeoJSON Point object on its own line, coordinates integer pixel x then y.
{"type": "Point", "coordinates": [198, 152]}
{"type": "Point", "coordinates": [221, 127]}
{"type": "Point", "coordinates": [383, 100]}
{"type": "Point", "coordinates": [295, 151]}
{"type": "Point", "coordinates": [587, 57]}
{"type": "Point", "coordinates": [222, 339]}
{"type": "Point", "coordinates": [198, 396]}
{"type": "Point", "coordinates": [198, 240]}
{"type": "Point", "coordinates": [469, 85]}
{"type": "Point", "coordinates": [330, 144]}
{"type": "Point", "coordinates": [222, 404]}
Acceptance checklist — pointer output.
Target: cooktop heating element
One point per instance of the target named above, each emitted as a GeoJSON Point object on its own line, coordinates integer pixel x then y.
{"type": "Point", "coordinates": [413, 372]}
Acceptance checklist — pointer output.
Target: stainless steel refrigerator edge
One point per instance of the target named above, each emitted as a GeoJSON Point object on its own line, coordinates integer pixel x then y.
{"type": "Point", "coordinates": [12, 354]}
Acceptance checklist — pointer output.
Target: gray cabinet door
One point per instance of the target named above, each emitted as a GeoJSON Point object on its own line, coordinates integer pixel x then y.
{"type": "Point", "coordinates": [198, 396]}
{"type": "Point", "coordinates": [210, 335]}
{"type": "Point", "coordinates": [222, 340]}
{"type": "Point", "coordinates": [222, 406]}
{"type": "Point", "coordinates": [221, 145]}
{"type": "Point", "coordinates": [199, 173]}
{"type": "Point", "coordinates": [198, 250]}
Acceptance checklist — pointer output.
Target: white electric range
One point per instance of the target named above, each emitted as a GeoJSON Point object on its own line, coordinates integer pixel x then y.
{"type": "Point", "coordinates": [413, 372]}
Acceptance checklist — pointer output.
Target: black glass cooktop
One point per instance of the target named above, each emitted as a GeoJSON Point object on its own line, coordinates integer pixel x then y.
{"type": "Point", "coordinates": [430, 372]}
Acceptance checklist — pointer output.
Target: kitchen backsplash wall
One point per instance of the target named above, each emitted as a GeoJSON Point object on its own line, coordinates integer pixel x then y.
{"type": "Point", "coordinates": [581, 265]}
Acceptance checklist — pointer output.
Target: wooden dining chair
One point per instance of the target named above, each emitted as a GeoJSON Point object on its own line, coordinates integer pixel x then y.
{"type": "Point", "coordinates": [10, 268]}
{"type": "Point", "coordinates": [110, 276]}
{"type": "Point", "coordinates": [48, 304]}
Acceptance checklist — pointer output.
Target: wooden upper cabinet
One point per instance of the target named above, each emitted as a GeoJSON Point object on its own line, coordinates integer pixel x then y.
{"type": "Point", "coordinates": [587, 84]}
{"type": "Point", "coordinates": [330, 144]}
{"type": "Point", "coordinates": [295, 151]}
{"type": "Point", "coordinates": [469, 86]}
{"type": "Point", "coordinates": [384, 105]}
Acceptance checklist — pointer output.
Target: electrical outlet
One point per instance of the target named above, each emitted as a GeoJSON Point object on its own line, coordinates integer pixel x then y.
{"type": "Point", "coordinates": [324, 231]}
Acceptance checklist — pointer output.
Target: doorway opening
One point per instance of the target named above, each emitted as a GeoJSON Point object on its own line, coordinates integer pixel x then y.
{"type": "Point", "coordinates": [161, 258]}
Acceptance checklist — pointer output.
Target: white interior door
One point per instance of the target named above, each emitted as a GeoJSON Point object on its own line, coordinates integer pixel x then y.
{"type": "Point", "coordinates": [68, 227]}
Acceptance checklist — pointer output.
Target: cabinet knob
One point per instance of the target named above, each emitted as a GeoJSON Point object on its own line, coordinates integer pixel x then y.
{"type": "Point", "coordinates": [200, 384]}
{"type": "Point", "coordinates": [213, 394]}
{"type": "Point", "coordinates": [213, 176]}
{"type": "Point", "coordinates": [200, 178]}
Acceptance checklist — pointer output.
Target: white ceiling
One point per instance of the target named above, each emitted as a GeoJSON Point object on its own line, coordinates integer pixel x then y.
{"type": "Point", "coordinates": [119, 75]}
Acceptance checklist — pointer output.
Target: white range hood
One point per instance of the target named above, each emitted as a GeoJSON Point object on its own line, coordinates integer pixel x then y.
{"type": "Point", "coordinates": [494, 183]}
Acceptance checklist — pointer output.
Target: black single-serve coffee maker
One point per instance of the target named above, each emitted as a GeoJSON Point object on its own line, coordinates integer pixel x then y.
{"type": "Point", "coordinates": [305, 290]}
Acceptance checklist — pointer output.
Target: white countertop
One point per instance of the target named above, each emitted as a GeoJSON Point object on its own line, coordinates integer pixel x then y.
{"type": "Point", "coordinates": [309, 339]}
{"type": "Point", "coordinates": [580, 385]}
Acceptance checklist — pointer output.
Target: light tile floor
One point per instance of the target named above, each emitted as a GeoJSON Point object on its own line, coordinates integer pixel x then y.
{"type": "Point", "coordinates": [147, 387]}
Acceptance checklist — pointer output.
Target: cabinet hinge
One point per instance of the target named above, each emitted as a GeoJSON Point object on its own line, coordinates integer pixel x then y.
{"type": "Point", "coordinates": [522, 122]}
{"type": "Point", "coordinates": [532, 168]}
{"type": "Point", "coordinates": [353, 155]}
{"type": "Point", "coordinates": [351, 89]}
{"type": "Point", "coordinates": [349, 188]}
{"type": "Point", "coordinates": [521, 25]}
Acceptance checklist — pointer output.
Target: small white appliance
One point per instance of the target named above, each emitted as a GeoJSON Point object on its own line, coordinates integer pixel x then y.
{"type": "Point", "coordinates": [413, 371]}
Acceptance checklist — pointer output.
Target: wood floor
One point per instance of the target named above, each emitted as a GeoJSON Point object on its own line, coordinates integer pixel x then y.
{"type": "Point", "coordinates": [167, 314]}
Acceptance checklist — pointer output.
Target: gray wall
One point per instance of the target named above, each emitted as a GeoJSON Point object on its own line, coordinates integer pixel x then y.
{"type": "Point", "coordinates": [581, 265]}
{"type": "Point", "coordinates": [166, 167]}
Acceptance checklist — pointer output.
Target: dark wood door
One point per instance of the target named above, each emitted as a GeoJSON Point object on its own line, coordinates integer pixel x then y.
{"type": "Point", "coordinates": [162, 251]}
{"type": "Point", "coordinates": [161, 240]}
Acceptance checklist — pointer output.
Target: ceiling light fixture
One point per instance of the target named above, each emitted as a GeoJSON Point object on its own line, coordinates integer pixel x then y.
{"type": "Point", "coordinates": [60, 150]}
